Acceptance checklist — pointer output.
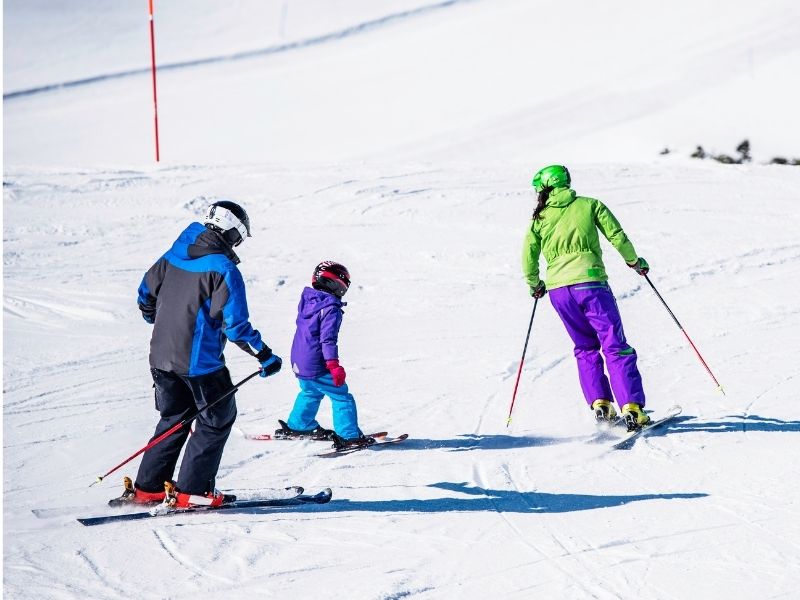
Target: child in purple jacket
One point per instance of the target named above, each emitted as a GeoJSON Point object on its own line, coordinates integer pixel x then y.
{"type": "Point", "coordinates": [315, 362]}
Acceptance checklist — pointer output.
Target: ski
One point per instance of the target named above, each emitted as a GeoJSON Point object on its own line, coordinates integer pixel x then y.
{"type": "Point", "coordinates": [286, 493]}
{"type": "Point", "coordinates": [270, 437]}
{"type": "Point", "coordinates": [241, 494]}
{"type": "Point", "coordinates": [627, 441]}
{"type": "Point", "coordinates": [321, 497]}
{"type": "Point", "coordinates": [382, 442]}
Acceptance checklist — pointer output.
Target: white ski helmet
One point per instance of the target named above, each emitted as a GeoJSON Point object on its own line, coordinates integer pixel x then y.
{"type": "Point", "coordinates": [229, 219]}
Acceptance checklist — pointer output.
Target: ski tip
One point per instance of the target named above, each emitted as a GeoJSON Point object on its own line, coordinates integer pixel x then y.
{"type": "Point", "coordinates": [350, 450]}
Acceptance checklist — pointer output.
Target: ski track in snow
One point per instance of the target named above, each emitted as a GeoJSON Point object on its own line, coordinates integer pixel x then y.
{"type": "Point", "coordinates": [172, 551]}
{"type": "Point", "coordinates": [524, 536]}
{"type": "Point", "coordinates": [99, 575]}
{"type": "Point", "coordinates": [777, 547]}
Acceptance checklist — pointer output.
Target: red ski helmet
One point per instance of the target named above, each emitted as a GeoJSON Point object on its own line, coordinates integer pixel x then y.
{"type": "Point", "coordinates": [331, 277]}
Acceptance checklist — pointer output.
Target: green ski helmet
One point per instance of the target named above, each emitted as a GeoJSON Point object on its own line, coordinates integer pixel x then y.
{"type": "Point", "coordinates": [554, 176]}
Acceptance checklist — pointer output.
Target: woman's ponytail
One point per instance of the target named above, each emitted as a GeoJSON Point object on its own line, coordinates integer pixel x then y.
{"type": "Point", "coordinates": [542, 201]}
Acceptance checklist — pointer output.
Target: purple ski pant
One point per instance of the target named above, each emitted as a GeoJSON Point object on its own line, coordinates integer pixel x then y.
{"type": "Point", "coordinates": [590, 314]}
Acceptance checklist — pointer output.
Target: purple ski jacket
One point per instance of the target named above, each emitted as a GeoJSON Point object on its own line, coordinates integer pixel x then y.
{"type": "Point", "coordinates": [319, 316]}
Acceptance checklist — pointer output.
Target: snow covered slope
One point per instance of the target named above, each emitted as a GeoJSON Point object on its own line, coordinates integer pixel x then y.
{"type": "Point", "coordinates": [433, 332]}
{"type": "Point", "coordinates": [536, 80]}
{"type": "Point", "coordinates": [404, 150]}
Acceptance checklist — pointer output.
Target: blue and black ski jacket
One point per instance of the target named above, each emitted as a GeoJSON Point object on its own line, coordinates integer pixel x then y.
{"type": "Point", "coordinates": [195, 298]}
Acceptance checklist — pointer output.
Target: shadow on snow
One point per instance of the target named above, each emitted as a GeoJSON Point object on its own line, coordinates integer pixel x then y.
{"type": "Point", "coordinates": [486, 442]}
{"type": "Point", "coordinates": [680, 424]}
{"type": "Point", "coordinates": [481, 500]}
{"type": "Point", "coordinates": [732, 423]}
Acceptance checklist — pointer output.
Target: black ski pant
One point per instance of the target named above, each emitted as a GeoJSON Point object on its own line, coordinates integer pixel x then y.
{"type": "Point", "coordinates": [178, 397]}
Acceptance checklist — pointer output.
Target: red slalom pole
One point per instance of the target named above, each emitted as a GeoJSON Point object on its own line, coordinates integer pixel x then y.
{"type": "Point", "coordinates": [176, 427]}
{"type": "Point", "coordinates": [691, 343]}
{"type": "Point", "coordinates": [153, 68]}
{"type": "Point", "coordinates": [521, 362]}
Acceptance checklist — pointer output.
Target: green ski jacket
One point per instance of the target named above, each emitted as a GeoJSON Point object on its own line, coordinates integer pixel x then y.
{"type": "Point", "coordinates": [566, 233]}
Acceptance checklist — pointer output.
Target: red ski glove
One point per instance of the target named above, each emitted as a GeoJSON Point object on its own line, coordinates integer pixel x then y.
{"type": "Point", "coordinates": [337, 371]}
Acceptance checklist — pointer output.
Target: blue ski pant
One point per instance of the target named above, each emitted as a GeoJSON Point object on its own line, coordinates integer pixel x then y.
{"type": "Point", "coordinates": [179, 397]}
{"type": "Point", "coordinates": [304, 413]}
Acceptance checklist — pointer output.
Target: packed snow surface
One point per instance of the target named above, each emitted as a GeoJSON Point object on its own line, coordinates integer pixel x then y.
{"type": "Point", "coordinates": [399, 138]}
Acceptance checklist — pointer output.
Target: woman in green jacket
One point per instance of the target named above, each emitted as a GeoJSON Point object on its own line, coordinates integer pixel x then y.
{"type": "Point", "coordinates": [564, 229]}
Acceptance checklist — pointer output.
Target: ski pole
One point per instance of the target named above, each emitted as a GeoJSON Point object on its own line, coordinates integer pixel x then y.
{"type": "Point", "coordinates": [153, 68]}
{"type": "Point", "coordinates": [522, 360]}
{"type": "Point", "coordinates": [176, 427]}
{"type": "Point", "coordinates": [674, 318]}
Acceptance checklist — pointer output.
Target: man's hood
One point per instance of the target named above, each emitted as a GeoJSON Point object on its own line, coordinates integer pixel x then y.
{"type": "Point", "coordinates": [197, 241]}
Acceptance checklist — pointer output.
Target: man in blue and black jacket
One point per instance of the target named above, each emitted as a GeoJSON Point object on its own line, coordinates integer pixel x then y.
{"type": "Point", "coordinates": [194, 297]}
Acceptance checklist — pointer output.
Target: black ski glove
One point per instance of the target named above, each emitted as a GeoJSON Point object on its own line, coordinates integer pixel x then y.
{"type": "Point", "coordinates": [640, 266]}
{"type": "Point", "coordinates": [148, 313]}
{"type": "Point", "coordinates": [539, 291]}
{"type": "Point", "coordinates": [270, 363]}
{"type": "Point", "coordinates": [270, 366]}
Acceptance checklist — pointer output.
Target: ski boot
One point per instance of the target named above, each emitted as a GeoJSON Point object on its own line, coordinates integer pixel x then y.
{"type": "Point", "coordinates": [604, 412]}
{"type": "Point", "coordinates": [319, 434]}
{"type": "Point", "coordinates": [635, 418]}
{"type": "Point", "coordinates": [175, 500]}
{"type": "Point", "coordinates": [340, 443]}
{"type": "Point", "coordinates": [133, 495]}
